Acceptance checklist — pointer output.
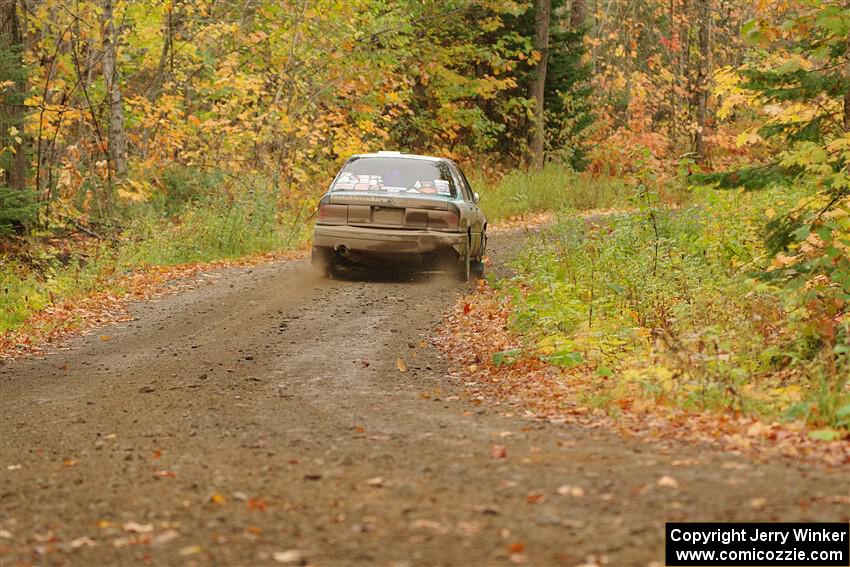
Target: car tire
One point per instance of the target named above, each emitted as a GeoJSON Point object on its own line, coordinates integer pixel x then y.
{"type": "Point", "coordinates": [476, 269]}
{"type": "Point", "coordinates": [322, 260]}
{"type": "Point", "coordinates": [477, 266]}
{"type": "Point", "coordinates": [464, 269]}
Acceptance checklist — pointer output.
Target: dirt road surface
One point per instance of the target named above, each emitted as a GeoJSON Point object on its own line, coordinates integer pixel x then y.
{"type": "Point", "coordinates": [262, 419]}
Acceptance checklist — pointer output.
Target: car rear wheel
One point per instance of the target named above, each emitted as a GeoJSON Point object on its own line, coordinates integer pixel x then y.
{"type": "Point", "coordinates": [477, 264]}
{"type": "Point", "coordinates": [465, 268]}
{"type": "Point", "coordinates": [476, 269]}
{"type": "Point", "coordinates": [322, 259]}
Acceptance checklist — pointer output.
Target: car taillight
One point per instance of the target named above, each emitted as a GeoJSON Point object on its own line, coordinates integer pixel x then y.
{"type": "Point", "coordinates": [332, 214]}
{"type": "Point", "coordinates": [443, 219]}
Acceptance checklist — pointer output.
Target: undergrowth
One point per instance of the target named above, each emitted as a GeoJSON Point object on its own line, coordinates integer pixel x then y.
{"type": "Point", "coordinates": [554, 188]}
{"type": "Point", "coordinates": [199, 217]}
{"type": "Point", "coordinates": [671, 306]}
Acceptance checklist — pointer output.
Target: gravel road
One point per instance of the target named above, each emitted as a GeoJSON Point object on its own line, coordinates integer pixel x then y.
{"type": "Point", "coordinates": [262, 419]}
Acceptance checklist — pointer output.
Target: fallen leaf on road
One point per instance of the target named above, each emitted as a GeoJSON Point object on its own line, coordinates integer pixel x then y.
{"type": "Point", "coordinates": [70, 462]}
{"type": "Point", "coordinates": [498, 451]}
{"type": "Point", "coordinates": [516, 547]}
{"type": "Point", "coordinates": [468, 528]}
{"type": "Point", "coordinates": [257, 504]}
{"type": "Point", "coordinates": [191, 550]}
{"type": "Point", "coordinates": [121, 542]}
{"type": "Point", "coordinates": [758, 429]}
{"type": "Point", "coordinates": [218, 499]}
{"type": "Point", "coordinates": [6, 534]}
{"type": "Point", "coordinates": [668, 482]}
{"type": "Point", "coordinates": [758, 502]}
{"type": "Point", "coordinates": [377, 481]}
{"type": "Point", "coordinates": [13, 467]}
{"type": "Point", "coordinates": [535, 497]}
{"type": "Point", "coordinates": [288, 556]}
{"type": "Point", "coordinates": [574, 491]}
{"type": "Point", "coordinates": [165, 537]}
{"type": "Point", "coordinates": [105, 338]}
{"type": "Point", "coordinates": [81, 541]}
{"type": "Point", "coordinates": [137, 528]}
{"type": "Point", "coordinates": [164, 474]}
{"type": "Point", "coordinates": [401, 365]}
{"type": "Point", "coordinates": [427, 525]}
{"type": "Point", "coordinates": [103, 524]}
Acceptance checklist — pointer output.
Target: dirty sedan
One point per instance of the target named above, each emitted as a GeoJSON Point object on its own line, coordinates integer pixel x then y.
{"type": "Point", "coordinates": [392, 206]}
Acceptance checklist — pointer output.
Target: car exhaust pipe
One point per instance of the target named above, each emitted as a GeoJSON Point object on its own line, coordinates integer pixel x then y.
{"type": "Point", "coordinates": [343, 251]}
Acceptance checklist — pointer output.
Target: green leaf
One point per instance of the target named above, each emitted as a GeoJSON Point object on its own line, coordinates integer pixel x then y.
{"type": "Point", "coordinates": [565, 358]}
{"type": "Point", "coordinates": [506, 357]}
{"type": "Point", "coordinates": [842, 416]}
{"type": "Point", "coordinates": [827, 434]}
{"type": "Point", "coordinates": [605, 371]}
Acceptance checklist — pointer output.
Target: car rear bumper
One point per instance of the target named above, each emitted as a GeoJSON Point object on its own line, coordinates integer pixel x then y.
{"type": "Point", "coordinates": [387, 241]}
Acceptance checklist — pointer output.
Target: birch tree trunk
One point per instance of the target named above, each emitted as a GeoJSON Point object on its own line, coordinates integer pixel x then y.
{"type": "Point", "coordinates": [537, 87]}
{"type": "Point", "coordinates": [704, 14]}
{"type": "Point", "coordinates": [847, 88]}
{"type": "Point", "coordinates": [112, 77]}
{"type": "Point", "coordinates": [12, 107]}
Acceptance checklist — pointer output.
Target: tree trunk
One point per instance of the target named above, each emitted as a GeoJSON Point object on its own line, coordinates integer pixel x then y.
{"type": "Point", "coordinates": [112, 77]}
{"type": "Point", "coordinates": [12, 107]}
{"type": "Point", "coordinates": [537, 87]}
{"type": "Point", "coordinates": [674, 41]}
{"type": "Point", "coordinates": [704, 14]}
{"type": "Point", "coordinates": [847, 88]}
{"type": "Point", "coordinates": [578, 14]}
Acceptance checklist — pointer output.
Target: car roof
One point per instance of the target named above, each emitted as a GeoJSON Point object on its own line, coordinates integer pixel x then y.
{"type": "Point", "coordinates": [399, 155]}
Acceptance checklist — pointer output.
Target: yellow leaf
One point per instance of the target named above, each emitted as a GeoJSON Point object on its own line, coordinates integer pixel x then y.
{"type": "Point", "coordinates": [770, 213]}
{"type": "Point", "coordinates": [401, 365]}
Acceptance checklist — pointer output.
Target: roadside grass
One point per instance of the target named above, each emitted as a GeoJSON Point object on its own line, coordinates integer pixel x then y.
{"type": "Point", "coordinates": [555, 188]}
{"type": "Point", "coordinates": [205, 218]}
{"type": "Point", "coordinates": [670, 307]}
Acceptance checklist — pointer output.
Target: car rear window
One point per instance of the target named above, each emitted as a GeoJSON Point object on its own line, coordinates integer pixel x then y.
{"type": "Point", "coordinates": [409, 176]}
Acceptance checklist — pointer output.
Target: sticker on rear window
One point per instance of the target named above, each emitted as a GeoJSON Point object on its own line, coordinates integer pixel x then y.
{"type": "Point", "coordinates": [443, 187]}
{"type": "Point", "coordinates": [396, 175]}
